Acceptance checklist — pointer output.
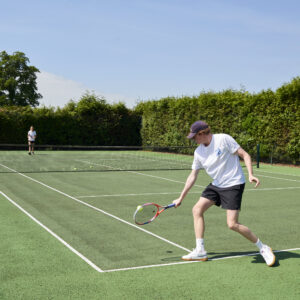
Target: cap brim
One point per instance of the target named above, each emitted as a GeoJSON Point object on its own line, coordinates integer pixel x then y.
{"type": "Point", "coordinates": [191, 135]}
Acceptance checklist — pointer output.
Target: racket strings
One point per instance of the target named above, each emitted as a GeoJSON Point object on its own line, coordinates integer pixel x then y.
{"type": "Point", "coordinates": [145, 213]}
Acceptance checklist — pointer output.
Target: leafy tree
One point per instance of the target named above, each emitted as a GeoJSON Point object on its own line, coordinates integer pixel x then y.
{"type": "Point", "coordinates": [17, 80]}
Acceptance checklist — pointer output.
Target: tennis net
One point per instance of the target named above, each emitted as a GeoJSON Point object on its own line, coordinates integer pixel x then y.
{"type": "Point", "coordinates": [65, 158]}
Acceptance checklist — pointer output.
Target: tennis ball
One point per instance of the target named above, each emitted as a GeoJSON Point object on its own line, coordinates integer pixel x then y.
{"type": "Point", "coordinates": [139, 208]}
{"type": "Point", "coordinates": [74, 168]}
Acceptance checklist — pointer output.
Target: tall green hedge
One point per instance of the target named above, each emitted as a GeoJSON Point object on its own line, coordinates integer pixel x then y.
{"type": "Point", "coordinates": [91, 121]}
{"type": "Point", "coordinates": [269, 118]}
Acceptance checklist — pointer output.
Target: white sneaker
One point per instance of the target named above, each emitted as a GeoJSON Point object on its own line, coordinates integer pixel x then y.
{"type": "Point", "coordinates": [268, 255]}
{"type": "Point", "coordinates": [196, 255]}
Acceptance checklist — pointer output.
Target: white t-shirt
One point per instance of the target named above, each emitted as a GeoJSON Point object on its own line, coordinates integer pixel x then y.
{"type": "Point", "coordinates": [219, 161]}
{"type": "Point", "coordinates": [31, 135]}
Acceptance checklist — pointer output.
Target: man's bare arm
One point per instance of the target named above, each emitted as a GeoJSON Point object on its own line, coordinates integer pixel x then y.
{"type": "Point", "coordinates": [188, 185]}
{"type": "Point", "coordinates": [248, 162]}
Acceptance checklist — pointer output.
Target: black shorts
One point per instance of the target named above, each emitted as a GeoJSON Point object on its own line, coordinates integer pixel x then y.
{"type": "Point", "coordinates": [31, 142]}
{"type": "Point", "coordinates": [228, 198]}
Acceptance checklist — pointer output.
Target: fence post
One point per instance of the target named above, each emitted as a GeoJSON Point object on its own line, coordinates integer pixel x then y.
{"type": "Point", "coordinates": [271, 158]}
{"type": "Point", "coordinates": [257, 155]}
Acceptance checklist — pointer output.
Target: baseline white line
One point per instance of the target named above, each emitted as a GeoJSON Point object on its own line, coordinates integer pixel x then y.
{"type": "Point", "coordinates": [98, 209]}
{"type": "Point", "coordinates": [53, 234]}
{"type": "Point", "coordinates": [172, 193]}
{"type": "Point", "coordinates": [190, 262]}
{"type": "Point", "coordinates": [150, 266]}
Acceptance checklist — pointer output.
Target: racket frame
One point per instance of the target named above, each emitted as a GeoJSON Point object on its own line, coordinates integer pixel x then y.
{"type": "Point", "coordinates": [158, 212]}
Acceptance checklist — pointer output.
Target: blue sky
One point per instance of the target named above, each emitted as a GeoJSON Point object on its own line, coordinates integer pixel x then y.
{"type": "Point", "coordinates": [140, 50]}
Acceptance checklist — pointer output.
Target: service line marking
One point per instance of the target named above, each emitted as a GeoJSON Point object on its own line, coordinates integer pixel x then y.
{"type": "Point", "coordinates": [276, 173]}
{"type": "Point", "coordinates": [177, 193]}
{"type": "Point", "coordinates": [278, 178]}
{"type": "Point", "coordinates": [89, 262]}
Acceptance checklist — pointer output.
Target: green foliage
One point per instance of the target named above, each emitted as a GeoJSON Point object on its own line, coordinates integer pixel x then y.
{"type": "Point", "coordinates": [17, 80]}
{"type": "Point", "coordinates": [91, 121]}
{"type": "Point", "coordinates": [269, 118]}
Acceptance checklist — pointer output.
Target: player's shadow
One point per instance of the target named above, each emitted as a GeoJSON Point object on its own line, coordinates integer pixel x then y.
{"type": "Point", "coordinates": [256, 257]}
{"type": "Point", "coordinates": [212, 255]}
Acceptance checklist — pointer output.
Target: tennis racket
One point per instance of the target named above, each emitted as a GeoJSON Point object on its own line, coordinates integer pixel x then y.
{"type": "Point", "coordinates": [148, 212]}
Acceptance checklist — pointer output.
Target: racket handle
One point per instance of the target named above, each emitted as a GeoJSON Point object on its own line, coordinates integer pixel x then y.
{"type": "Point", "coordinates": [171, 205]}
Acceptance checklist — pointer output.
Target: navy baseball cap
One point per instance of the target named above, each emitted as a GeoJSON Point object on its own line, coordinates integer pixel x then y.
{"type": "Point", "coordinates": [196, 127]}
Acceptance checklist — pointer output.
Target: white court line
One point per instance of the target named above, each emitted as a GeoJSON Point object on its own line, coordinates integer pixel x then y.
{"type": "Point", "coordinates": [279, 178]}
{"type": "Point", "coordinates": [135, 172]}
{"type": "Point", "coordinates": [275, 173]}
{"type": "Point", "coordinates": [98, 209]}
{"type": "Point", "coordinates": [272, 189]}
{"type": "Point", "coordinates": [175, 193]}
{"type": "Point", "coordinates": [53, 234]}
{"type": "Point", "coordinates": [105, 159]}
{"type": "Point", "coordinates": [141, 194]}
{"type": "Point", "coordinates": [190, 262]}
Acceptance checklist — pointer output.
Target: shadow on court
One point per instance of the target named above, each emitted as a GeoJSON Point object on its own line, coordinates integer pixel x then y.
{"type": "Point", "coordinates": [215, 255]}
{"type": "Point", "coordinates": [212, 255]}
{"type": "Point", "coordinates": [257, 258]}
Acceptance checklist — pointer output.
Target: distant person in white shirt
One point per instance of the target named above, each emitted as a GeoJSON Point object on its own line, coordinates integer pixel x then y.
{"type": "Point", "coordinates": [31, 140]}
{"type": "Point", "coordinates": [219, 155]}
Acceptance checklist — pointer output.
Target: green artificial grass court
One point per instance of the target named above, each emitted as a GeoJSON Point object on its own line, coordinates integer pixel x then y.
{"type": "Point", "coordinates": [35, 265]}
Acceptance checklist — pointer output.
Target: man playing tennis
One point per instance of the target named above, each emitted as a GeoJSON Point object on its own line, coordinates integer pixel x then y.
{"type": "Point", "coordinates": [219, 155]}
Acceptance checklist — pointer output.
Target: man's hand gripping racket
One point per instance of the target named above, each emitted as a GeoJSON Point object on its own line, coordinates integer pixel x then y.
{"type": "Point", "coordinates": [148, 212]}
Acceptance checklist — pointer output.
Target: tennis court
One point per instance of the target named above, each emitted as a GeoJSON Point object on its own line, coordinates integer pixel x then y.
{"type": "Point", "coordinates": [77, 206]}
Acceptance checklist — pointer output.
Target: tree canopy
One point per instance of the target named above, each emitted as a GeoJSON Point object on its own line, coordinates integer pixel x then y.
{"type": "Point", "coordinates": [17, 80]}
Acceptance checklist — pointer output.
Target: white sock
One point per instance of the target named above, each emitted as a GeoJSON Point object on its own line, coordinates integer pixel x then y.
{"type": "Point", "coordinates": [200, 244]}
{"type": "Point", "coordinates": [259, 244]}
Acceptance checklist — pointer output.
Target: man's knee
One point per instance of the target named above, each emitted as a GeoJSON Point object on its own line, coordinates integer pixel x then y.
{"type": "Point", "coordinates": [197, 211]}
{"type": "Point", "coordinates": [232, 225]}
{"type": "Point", "coordinates": [201, 206]}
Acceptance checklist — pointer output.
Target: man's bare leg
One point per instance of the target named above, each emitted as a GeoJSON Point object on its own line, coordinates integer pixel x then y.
{"type": "Point", "coordinates": [199, 226]}
{"type": "Point", "coordinates": [233, 224]}
{"type": "Point", "coordinates": [198, 213]}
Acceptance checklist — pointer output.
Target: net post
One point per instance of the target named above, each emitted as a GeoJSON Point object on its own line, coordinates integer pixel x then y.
{"type": "Point", "coordinates": [257, 155]}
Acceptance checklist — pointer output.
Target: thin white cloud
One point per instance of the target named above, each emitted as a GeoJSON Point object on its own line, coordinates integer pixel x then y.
{"type": "Point", "coordinates": [58, 91]}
